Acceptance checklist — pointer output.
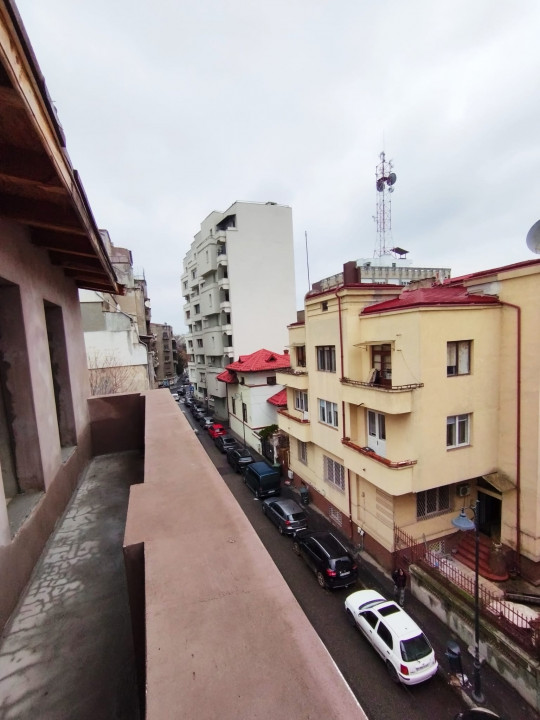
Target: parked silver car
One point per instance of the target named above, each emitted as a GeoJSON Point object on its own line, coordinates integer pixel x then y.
{"type": "Point", "coordinates": [286, 515]}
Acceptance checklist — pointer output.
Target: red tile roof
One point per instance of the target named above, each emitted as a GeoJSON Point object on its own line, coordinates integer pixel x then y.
{"type": "Point", "coordinates": [260, 361]}
{"type": "Point", "coordinates": [227, 377]}
{"type": "Point", "coordinates": [429, 296]}
{"type": "Point", "coordinates": [279, 399]}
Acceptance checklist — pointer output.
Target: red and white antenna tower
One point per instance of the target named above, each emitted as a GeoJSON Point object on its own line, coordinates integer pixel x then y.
{"type": "Point", "coordinates": [385, 181]}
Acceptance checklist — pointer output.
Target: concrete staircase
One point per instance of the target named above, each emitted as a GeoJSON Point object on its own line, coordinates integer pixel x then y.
{"type": "Point", "coordinates": [489, 564]}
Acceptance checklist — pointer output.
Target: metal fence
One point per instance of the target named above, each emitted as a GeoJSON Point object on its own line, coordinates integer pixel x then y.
{"type": "Point", "coordinates": [523, 629]}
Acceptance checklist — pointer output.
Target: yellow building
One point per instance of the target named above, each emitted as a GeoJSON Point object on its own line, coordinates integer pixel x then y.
{"type": "Point", "coordinates": [406, 404]}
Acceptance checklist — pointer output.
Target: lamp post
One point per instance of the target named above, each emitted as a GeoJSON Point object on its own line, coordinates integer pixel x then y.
{"type": "Point", "coordinates": [462, 522]}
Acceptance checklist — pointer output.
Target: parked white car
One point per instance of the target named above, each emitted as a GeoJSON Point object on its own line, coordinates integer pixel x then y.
{"type": "Point", "coordinates": [400, 642]}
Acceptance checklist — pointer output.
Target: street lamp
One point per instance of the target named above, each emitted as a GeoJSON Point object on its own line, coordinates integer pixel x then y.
{"type": "Point", "coordinates": [462, 522]}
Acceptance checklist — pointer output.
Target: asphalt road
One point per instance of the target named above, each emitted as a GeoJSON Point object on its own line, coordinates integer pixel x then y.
{"type": "Point", "coordinates": [362, 668]}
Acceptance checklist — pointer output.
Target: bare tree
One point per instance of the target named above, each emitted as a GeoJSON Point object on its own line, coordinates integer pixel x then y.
{"type": "Point", "coordinates": [107, 377]}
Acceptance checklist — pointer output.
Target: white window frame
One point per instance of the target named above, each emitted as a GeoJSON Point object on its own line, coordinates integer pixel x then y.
{"type": "Point", "coordinates": [302, 452]}
{"type": "Point", "coordinates": [334, 473]}
{"type": "Point", "coordinates": [328, 413]}
{"type": "Point", "coordinates": [460, 428]}
{"type": "Point", "coordinates": [301, 400]}
{"type": "Point", "coordinates": [458, 357]}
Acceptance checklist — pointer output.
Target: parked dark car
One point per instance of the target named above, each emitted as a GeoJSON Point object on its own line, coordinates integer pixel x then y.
{"type": "Point", "coordinates": [286, 515]}
{"type": "Point", "coordinates": [224, 441]}
{"type": "Point", "coordinates": [327, 557]}
{"type": "Point", "coordinates": [239, 458]}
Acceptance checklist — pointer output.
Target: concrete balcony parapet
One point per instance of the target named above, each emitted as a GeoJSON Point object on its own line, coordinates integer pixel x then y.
{"type": "Point", "coordinates": [394, 400]}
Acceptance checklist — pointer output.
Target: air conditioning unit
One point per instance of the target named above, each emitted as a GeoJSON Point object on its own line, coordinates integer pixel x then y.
{"type": "Point", "coordinates": [463, 490]}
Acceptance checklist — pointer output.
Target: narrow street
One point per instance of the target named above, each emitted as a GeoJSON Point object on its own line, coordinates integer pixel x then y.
{"type": "Point", "coordinates": [356, 659]}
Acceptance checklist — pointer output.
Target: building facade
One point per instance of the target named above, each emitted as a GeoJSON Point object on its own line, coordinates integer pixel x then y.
{"type": "Point", "coordinates": [239, 290]}
{"type": "Point", "coordinates": [252, 393]}
{"type": "Point", "coordinates": [405, 404]}
{"type": "Point", "coordinates": [116, 330]}
{"type": "Point", "coordinates": [164, 349]}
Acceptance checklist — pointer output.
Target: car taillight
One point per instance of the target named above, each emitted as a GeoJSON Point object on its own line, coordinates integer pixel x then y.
{"type": "Point", "coordinates": [404, 669]}
{"type": "Point", "coordinates": [287, 522]}
{"type": "Point", "coordinates": [331, 573]}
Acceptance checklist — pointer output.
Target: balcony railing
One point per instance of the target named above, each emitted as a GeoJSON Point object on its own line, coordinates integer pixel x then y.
{"type": "Point", "coordinates": [368, 452]}
{"type": "Point", "coordinates": [391, 400]}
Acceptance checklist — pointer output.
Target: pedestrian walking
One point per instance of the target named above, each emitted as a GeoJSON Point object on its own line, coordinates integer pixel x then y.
{"type": "Point", "coordinates": [400, 581]}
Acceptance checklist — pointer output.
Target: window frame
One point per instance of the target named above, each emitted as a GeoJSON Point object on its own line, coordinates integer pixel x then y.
{"type": "Point", "coordinates": [462, 351]}
{"type": "Point", "coordinates": [326, 358]}
{"type": "Point", "coordinates": [302, 451]}
{"type": "Point", "coordinates": [331, 469]}
{"type": "Point", "coordinates": [328, 413]}
{"type": "Point", "coordinates": [301, 401]}
{"type": "Point", "coordinates": [460, 424]}
{"type": "Point", "coordinates": [442, 502]}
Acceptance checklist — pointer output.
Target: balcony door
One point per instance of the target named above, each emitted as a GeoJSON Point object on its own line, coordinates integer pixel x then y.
{"type": "Point", "coordinates": [376, 426]}
{"type": "Point", "coordinates": [381, 361]}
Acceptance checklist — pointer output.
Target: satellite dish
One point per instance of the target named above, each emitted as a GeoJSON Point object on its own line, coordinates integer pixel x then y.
{"type": "Point", "coordinates": [391, 179]}
{"type": "Point", "coordinates": [380, 184]}
{"type": "Point", "coordinates": [533, 238]}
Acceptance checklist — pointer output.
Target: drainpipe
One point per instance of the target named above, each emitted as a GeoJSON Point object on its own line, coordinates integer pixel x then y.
{"type": "Point", "coordinates": [518, 435]}
{"type": "Point", "coordinates": [343, 412]}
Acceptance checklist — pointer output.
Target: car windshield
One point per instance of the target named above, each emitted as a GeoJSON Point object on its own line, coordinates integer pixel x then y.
{"type": "Point", "coordinates": [243, 454]}
{"type": "Point", "coordinates": [415, 648]}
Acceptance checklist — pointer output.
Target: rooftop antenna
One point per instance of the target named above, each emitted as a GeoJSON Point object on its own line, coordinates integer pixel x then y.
{"type": "Point", "coordinates": [385, 180]}
{"type": "Point", "coordinates": [307, 262]}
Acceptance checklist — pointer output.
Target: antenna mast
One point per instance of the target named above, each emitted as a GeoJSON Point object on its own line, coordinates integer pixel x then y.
{"type": "Point", "coordinates": [385, 180]}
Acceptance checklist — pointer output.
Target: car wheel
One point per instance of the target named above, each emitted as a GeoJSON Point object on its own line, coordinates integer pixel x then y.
{"type": "Point", "coordinates": [296, 548]}
{"type": "Point", "coordinates": [280, 530]}
{"type": "Point", "coordinates": [320, 579]}
{"type": "Point", "coordinates": [392, 671]}
{"type": "Point", "coordinates": [350, 619]}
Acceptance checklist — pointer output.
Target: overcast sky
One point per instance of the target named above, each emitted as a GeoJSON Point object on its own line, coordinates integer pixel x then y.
{"type": "Point", "coordinates": [175, 108]}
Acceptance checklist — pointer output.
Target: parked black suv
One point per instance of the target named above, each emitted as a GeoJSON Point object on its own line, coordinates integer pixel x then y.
{"type": "Point", "coordinates": [327, 557]}
{"type": "Point", "coordinates": [239, 458]}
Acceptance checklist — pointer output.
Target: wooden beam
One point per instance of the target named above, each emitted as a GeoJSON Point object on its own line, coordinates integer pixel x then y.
{"type": "Point", "coordinates": [28, 166]}
{"type": "Point", "coordinates": [39, 213]}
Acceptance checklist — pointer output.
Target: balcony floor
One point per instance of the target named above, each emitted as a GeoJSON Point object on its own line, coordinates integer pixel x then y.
{"type": "Point", "coordinates": [67, 650]}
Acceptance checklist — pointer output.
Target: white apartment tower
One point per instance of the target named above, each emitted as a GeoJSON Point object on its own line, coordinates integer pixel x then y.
{"type": "Point", "coordinates": [239, 290]}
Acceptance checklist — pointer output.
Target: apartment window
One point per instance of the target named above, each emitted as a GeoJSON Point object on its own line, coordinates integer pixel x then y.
{"type": "Point", "coordinates": [334, 473]}
{"type": "Point", "coordinates": [244, 413]}
{"type": "Point", "coordinates": [301, 356]}
{"type": "Point", "coordinates": [326, 358]}
{"type": "Point", "coordinates": [233, 406]}
{"type": "Point", "coordinates": [302, 452]}
{"type": "Point", "coordinates": [271, 380]}
{"type": "Point", "coordinates": [432, 502]}
{"type": "Point", "coordinates": [197, 309]}
{"type": "Point", "coordinates": [458, 357]}
{"type": "Point", "coordinates": [199, 342]}
{"type": "Point", "coordinates": [457, 431]}
{"type": "Point", "coordinates": [194, 274]}
{"type": "Point", "coordinates": [190, 343]}
{"type": "Point", "coordinates": [301, 400]}
{"type": "Point", "coordinates": [324, 305]}
{"type": "Point", "coordinates": [328, 413]}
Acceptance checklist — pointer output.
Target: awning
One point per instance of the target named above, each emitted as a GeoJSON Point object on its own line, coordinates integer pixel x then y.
{"type": "Point", "coordinates": [500, 481]}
